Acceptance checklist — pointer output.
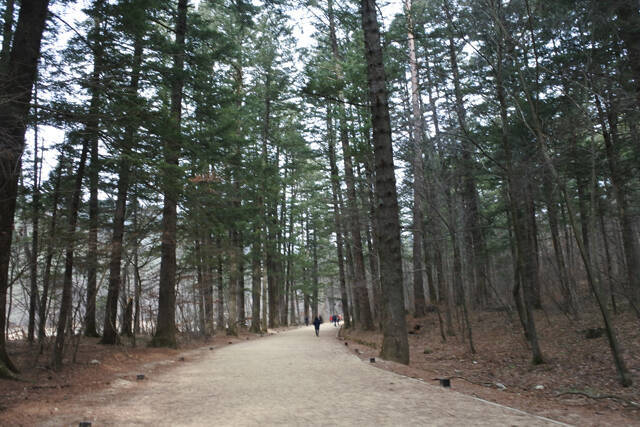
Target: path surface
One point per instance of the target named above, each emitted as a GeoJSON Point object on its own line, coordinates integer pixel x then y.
{"type": "Point", "coordinates": [291, 378]}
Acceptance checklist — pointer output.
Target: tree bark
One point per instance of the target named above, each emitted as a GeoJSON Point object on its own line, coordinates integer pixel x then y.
{"type": "Point", "coordinates": [220, 290]}
{"type": "Point", "coordinates": [256, 275]}
{"type": "Point", "coordinates": [207, 272]}
{"type": "Point", "coordinates": [33, 270]}
{"type": "Point", "coordinates": [16, 87]}
{"type": "Point", "coordinates": [199, 294]}
{"type": "Point", "coordinates": [418, 171]}
{"type": "Point", "coordinates": [395, 345]}
{"type": "Point", "coordinates": [165, 335]}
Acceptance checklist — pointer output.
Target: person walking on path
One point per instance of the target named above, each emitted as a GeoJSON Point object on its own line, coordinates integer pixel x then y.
{"type": "Point", "coordinates": [316, 324]}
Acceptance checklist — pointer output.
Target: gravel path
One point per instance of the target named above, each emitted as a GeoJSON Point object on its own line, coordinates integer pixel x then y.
{"type": "Point", "coordinates": [291, 378]}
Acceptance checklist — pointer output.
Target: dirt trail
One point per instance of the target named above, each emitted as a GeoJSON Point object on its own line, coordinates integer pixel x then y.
{"type": "Point", "coordinates": [291, 378]}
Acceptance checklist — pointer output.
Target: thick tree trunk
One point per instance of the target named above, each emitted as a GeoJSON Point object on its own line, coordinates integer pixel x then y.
{"type": "Point", "coordinates": [165, 335]}
{"type": "Point", "coordinates": [7, 35]}
{"type": "Point", "coordinates": [395, 345]}
{"type": "Point", "coordinates": [16, 86]}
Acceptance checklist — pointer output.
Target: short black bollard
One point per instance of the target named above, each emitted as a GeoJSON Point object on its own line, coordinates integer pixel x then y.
{"type": "Point", "coordinates": [372, 360]}
{"type": "Point", "coordinates": [444, 382]}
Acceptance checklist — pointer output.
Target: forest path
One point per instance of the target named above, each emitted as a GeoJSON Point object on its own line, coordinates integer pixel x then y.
{"type": "Point", "coordinates": [291, 378]}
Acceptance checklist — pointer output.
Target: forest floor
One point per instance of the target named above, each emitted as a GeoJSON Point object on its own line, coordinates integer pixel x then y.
{"type": "Point", "coordinates": [289, 378]}
{"type": "Point", "coordinates": [577, 385]}
{"type": "Point", "coordinates": [97, 367]}
{"type": "Point", "coordinates": [296, 378]}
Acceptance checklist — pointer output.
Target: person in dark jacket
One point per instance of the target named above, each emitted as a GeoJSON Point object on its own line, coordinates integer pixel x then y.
{"type": "Point", "coordinates": [316, 324]}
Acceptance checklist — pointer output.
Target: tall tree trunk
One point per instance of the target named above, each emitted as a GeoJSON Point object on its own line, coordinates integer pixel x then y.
{"type": "Point", "coordinates": [372, 239]}
{"type": "Point", "coordinates": [516, 182]}
{"type": "Point", "coordinates": [337, 218]}
{"type": "Point", "coordinates": [165, 335]}
{"type": "Point", "coordinates": [256, 275]}
{"type": "Point", "coordinates": [418, 171]}
{"type": "Point", "coordinates": [220, 289]}
{"type": "Point", "coordinates": [110, 334]}
{"type": "Point", "coordinates": [33, 268]}
{"type": "Point", "coordinates": [395, 345]}
{"type": "Point", "coordinates": [314, 273]}
{"type": "Point", "coordinates": [16, 88]}
{"type": "Point", "coordinates": [97, 47]}
{"type": "Point", "coordinates": [619, 184]}
{"type": "Point", "coordinates": [42, 309]}
{"type": "Point", "coordinates": [200, 285]}
{"type": "Point", "coordinates": [208, 274]}
{"type": "Point", "coordinates": [65, 303]}
{"type": "Point", "coordinates": [361, 295]}
{"type": "Point", "coordinates": [552, 214]}
{"type": "Point", "coordinates": [234, 280]}
{"type": "Point", "coordinates": [359, 280]}
{"type": "Point", "coordinates": [240, 291]}
{"type": "Point", "coordinates": [474, 238]}
{"type": "Point", "coordinates": [137, 282]}
{"type": "Point", "coordinates": [458, 283]}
